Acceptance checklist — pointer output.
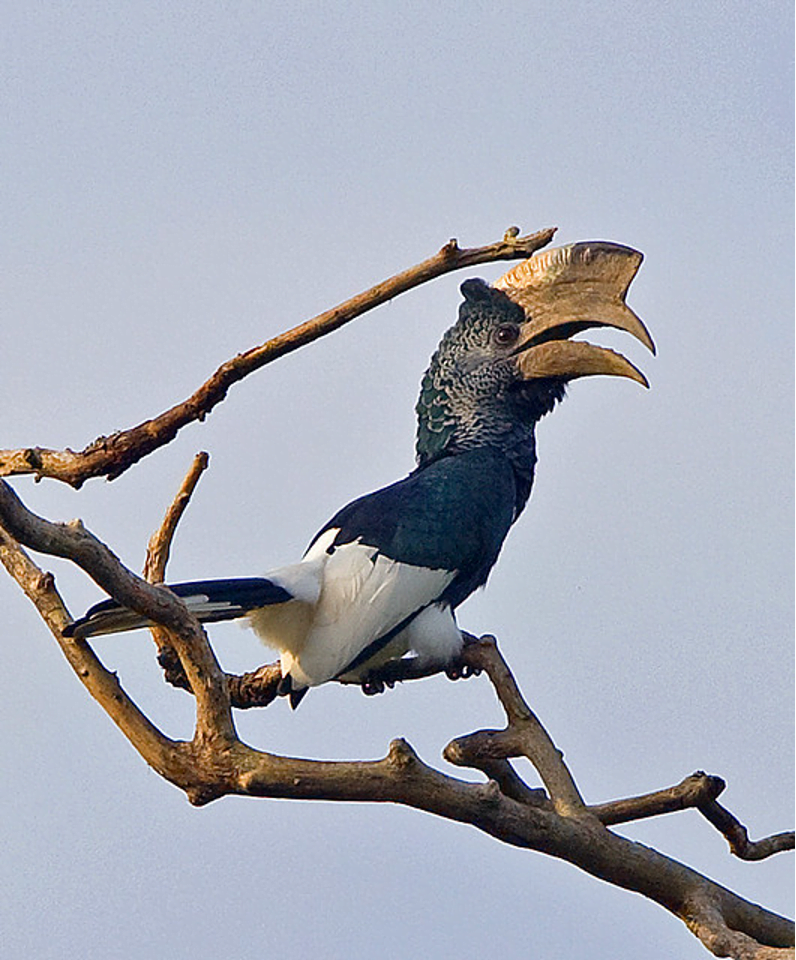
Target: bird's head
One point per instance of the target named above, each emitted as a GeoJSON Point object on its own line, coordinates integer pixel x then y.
{"type": "Point", "coordinates": [507, 360]}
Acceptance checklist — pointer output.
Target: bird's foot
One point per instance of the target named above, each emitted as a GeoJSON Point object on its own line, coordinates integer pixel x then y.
{"type": "Point", "coordinates": [461, 671]}
{"type": "Point", "coordinates": [412, 668]}
{"type": "Point", "coordinates": [376, 685]}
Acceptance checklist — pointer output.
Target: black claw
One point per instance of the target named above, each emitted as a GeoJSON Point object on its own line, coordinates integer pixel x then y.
{"type": "Point", "coordinates": [462, 672]}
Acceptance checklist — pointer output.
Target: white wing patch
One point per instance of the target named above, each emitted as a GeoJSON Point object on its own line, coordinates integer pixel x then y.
{"type": "Point", "coordinates": [360, 596]}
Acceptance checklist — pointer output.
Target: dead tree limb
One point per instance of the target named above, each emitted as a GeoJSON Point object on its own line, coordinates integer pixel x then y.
{"type": "Point", "coordinates": [738, 838]}
{"type": "Point", "coordinates": [74, 542]}
{"type": "Point", "coordinates": [111, 456]}
{"type": "Point", "coordinates": [159, 546]}
{"type": "Point", "coordinates": [157, 558]}
{"type": "Point", "coordinates": [216, 762]}
{"type": "Point", "coordinates": [695, 790]}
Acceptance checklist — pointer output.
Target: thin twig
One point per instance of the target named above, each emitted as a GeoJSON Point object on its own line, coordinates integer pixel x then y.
{"type": "Point", "coordinates": [738, 838]}
{"type": "Point", "coordinates": [695, 790]}
{"type": "Point", "coordinates": [159, 546]}
{"type": "Point", "coordinates": [111, 456]}
{"type": "Point", "coordinates": [157, 558]}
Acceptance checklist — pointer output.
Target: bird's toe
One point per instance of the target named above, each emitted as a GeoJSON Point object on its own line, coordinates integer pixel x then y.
{"type": "Point", "coordinates": [461, 671]}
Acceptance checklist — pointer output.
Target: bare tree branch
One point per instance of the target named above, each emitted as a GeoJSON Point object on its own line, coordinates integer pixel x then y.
{"type": "Point", "coordinates": [524, 735]}
{"type": "Point", "coordinates": [159, 546]}
{"type": "Point", "coordinates": [697, 789]}
{"type": "Point", "coordinates": [156, 560]}
{"type": "Point", "coordinates": [111, 456]}
{"type": "Point", "coordinates": [74, 542]}
{"type": "Point", "coordinates": [159, 751]}
{"type": "Point", "coordinates": [717, 933]}
{"type": "Point", "coordinates": [216, 763]}
{"type": "Point", "coordinates": [738, 838]}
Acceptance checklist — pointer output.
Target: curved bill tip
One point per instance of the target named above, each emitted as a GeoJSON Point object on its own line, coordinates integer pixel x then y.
{"type": "Point", "coordinates": [571, 359]}
{"type": "Point", "coordinates": [576, 287]}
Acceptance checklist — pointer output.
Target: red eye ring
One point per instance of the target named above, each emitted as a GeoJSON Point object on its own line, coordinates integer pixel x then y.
{"type": "Point", "coordinates": [507, 333]}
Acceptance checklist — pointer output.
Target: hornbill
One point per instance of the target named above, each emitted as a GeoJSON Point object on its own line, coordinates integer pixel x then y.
{"type": "Point", "coordinates": [387, 572]}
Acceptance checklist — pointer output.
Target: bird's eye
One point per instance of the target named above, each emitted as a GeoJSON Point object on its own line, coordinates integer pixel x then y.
{"type": "Point", "coordinates": [506, 334]}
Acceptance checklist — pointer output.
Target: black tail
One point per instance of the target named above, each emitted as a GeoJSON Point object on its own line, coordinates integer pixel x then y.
{"type": "Point", "coordinates": [209, 600]}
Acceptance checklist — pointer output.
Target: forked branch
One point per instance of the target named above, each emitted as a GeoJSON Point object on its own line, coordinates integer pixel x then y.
{"type": "Point", "coordinates": [74, 542]}
{"type": "Point", "coordinates": [216, 763]}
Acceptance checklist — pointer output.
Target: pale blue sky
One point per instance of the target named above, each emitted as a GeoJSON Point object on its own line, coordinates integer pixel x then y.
{"type": "Point", "coordinates": [181, 182]}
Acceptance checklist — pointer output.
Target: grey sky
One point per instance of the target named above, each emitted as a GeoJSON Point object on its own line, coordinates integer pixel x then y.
{"type": "Point", "coordinates": [183, 181]}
